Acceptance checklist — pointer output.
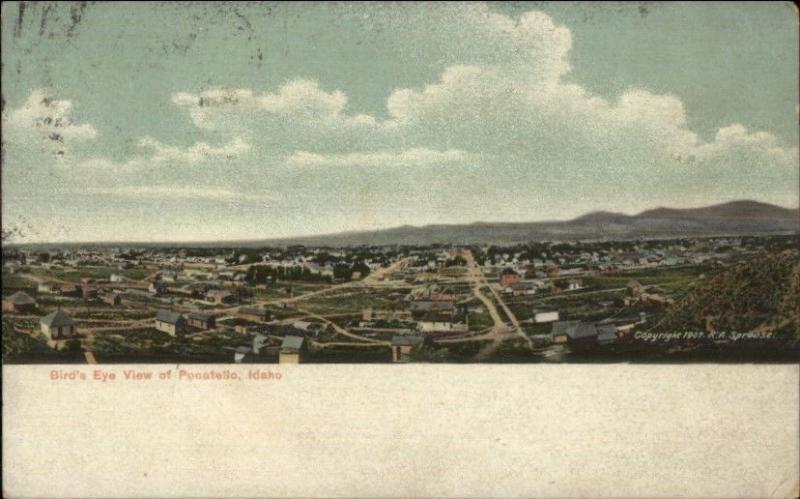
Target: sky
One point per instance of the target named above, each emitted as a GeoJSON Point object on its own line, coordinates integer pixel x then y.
{"type": "Point", "coordinates": [225, 121]}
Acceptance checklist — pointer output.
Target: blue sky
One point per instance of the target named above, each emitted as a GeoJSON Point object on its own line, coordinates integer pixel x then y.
{"type": "Point", "coordinates": [193, 121]}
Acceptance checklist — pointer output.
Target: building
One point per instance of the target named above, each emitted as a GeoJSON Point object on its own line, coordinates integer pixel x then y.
{"type": "Point", "coordinates": [20, 302]}
{"type": "Point", "coordinates": [509, 277]}
{"type": "Point", "coordinates": [58, 325]}
{"type": "Point", "coordinates": [606, 334]}
{"type": "Point", "coordinates": [541, 316]}
{"type": "Point", "coordinates": [202, 321]}
{"type": "Point", "coordinates": [219, 297]}
{"type": "Point", "coordinates": [259, 341]}
{"type": "Point", "coordinates": [584, 335]}
{"type": "Point", "coordinates": [438, 323]}
{"type": "Point", "coordinates": [561, 330]}
{"type": "Point", "coordinates": [69, 290]}
{"type": "Point", "coordinates": [402, 346]}
{"type": "Point", "coordinates": [254, 314]}
{"type": "Point", "coordinates": [292, 350]}
{"type": "Point", "coordinates": [112, 298]}
{"type": "Point", "coordinates": [574, 284]}
{"type": "Point", "coordinates": [170, 322]}
{"type": "Point", "coordinates": [241, 353]}
{"type": "Point", "coordinates": [634, 289]}
{"type": "Point", "coordinates": [88, 293]}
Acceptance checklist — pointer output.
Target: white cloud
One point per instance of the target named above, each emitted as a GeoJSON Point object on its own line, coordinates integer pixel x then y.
{"type": "Point", "coordinates": [200, 151]}
{"type": "Point", "coordinates": [298, 100]}
{"type": "Point", "coordinates": [408, 158]}
{"type": "Point", "coordinates": [44, 123]}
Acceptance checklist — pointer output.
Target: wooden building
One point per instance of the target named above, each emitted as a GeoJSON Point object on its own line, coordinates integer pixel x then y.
{"type": "Point", "coordinates": [58, 325]}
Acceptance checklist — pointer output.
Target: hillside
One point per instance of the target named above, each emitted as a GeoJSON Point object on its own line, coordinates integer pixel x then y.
{"type": "Point", "coordinates": [761, 294]}
{"type": "Point", "coordinates": [736, 210]}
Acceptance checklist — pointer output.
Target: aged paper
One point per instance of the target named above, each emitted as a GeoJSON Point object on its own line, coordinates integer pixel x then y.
{"type": "Point", "coordinates": [388, 249]}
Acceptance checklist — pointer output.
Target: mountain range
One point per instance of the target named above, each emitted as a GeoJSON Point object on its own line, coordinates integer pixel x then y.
{"type": "Point", "coordinates": [733, 218]}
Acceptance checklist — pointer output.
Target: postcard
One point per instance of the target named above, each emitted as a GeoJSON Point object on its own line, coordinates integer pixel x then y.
{"type": "Point", "coordinates": [242, 240]}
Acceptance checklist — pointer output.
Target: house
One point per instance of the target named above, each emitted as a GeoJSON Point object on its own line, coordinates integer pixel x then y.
{"type": "Point", "coordinates": [156, 288]}
{"type": "Point", "coordinates": [240, 353]}
{"type": "Point", "coordinates": [606, 334]}
{"type": "Point", "coordinates": [116, 278]}
{"type": "Point", "coordinates": [112, 298]}
{"type": "Point", "coordinates": [561, 330]}
{"type": "Point", "coordinates": [219, 297]}
{"type": "Point", "coordinates": [69, 290]}
{"type": "Point", "coordinates": [170, 322]}
{"type": "Point", "coordinates": [58, 325]}
{"type": "Point", "coordinates": [254, 314]}
{"type": "Point", "coordinates": [202, 321]}
{"type": "Point", "coordinates": [509, 277]}
{"type": "Point", "coordinates": [523, 289]}
{"type": "Point", "coordinates": [542, 316]}
{"type": "Point", "coordinates": [436, 323]}
{"type": "Point", "coordinates": [20, 302]}
{"type": "Point", "coordinates": [259, 341]}
{"type": "Point", "coordinates": [402, 346]}
{"type": "Point", "coordinates": [582, 336]}
{"type": "Point", "coordinates": [292, 349]}
{"type": "Point", "coordinates": [574, 284]}
{"type": "Point", "coordinates": [634, 289]}
{"type": "Point", "coordinates": [88, 293]}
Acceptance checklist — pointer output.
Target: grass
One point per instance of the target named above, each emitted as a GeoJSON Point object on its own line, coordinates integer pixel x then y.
{"type": "Point", "coordinates": [349, 302]}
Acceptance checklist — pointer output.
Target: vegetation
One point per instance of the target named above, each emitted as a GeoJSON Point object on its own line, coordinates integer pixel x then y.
{"type": "Point", "coordinates": [760, 293]}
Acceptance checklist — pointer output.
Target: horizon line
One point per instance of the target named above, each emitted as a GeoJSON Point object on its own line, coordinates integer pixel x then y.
{"type": "Point", "coordinates": [365, 231]}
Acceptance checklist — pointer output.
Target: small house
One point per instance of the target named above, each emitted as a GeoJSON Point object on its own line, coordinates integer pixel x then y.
{"type": "Point", "coordinates": [634, 289]}
{"type": "Point", "coordinates": [509, 277]}
{"type": "Point", "coordinates": [574, 284]}
{"type": "Point", "coordinates": [220, 297]}
{"type": "Point", "coordinates": [88, 293]}
{"type": "Point", "coordinates": [112, 298]}
{"type": "Point", "coordinates": [561, 330]}
{"type": "Point", "coordinates": [292, 349]}
{"type": "Point", "coordinates": [241, 353]}
{"type": "Point", "coordinates": [58, 325]}
{"type": "Point", "coordinates": [402, 346]}
{"type": "Point", "coordinates": [543, 316]}
{"type": "Point", "coordinates": [202, 321]}
{"type": "Point", "coordinates": [170, 322]}
{"type": "Point", "coordinates": [20, 302]}
{"type": "Point", "coordinates": [582, 336]}
{"type": "Point", "coordinates": [606, 334]}
{"type": "Point", "coordinates": [254, 314]}
{"type": "Point", "coordinates": [69, 290]}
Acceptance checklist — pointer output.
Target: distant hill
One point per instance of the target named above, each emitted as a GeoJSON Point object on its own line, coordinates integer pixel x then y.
{"type": "Point", "coordinates": [762, 294]}
{"type": "Point", "coordinates": [734, 218]}
{"type": "Point", "coordinates": [736, 210]}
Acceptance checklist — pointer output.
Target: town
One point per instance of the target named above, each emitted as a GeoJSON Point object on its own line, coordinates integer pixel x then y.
{"type": "Point", "coordinates": [536, 302]}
